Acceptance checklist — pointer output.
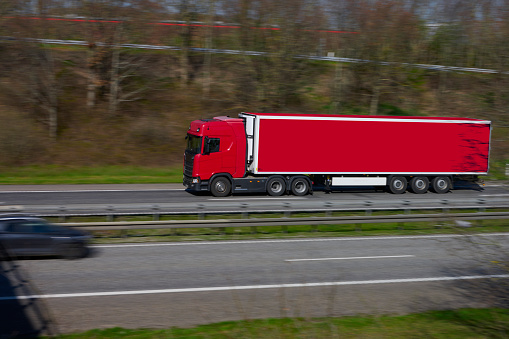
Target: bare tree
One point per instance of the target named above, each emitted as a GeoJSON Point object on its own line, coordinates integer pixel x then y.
{"type": "Point", "coordinates": [38, 64]}
{"type": "Point", "coordinates": [124, 68]}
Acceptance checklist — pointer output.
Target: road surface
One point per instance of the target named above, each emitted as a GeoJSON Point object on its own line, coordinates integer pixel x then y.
{"type": "Point", "coordinates": [184, 284]}
{"type": "Point", "coordinates": [172, 197]}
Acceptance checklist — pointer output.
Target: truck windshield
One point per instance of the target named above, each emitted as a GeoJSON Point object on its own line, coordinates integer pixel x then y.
{"type": "Point", "coordinates": [193, 144]}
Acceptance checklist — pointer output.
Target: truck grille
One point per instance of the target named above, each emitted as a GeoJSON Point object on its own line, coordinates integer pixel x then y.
{"type": "Point", "coordinates": [188, 164]}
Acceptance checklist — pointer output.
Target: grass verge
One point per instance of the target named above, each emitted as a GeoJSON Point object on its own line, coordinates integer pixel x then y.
{"type": "Point", "coordinates": [462, 323]}
{"type": "Point", "coordinates": [292, 232]}
{"type": "Point", "coordinates": [52, 174]}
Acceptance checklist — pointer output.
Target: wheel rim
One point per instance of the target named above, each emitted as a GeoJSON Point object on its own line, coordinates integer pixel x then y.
{"type": "Point", "coordinates": [442, 184]}
{"type": "Point", "coordinates": [300, 186]}
{"type": "Point", "coordinates": [276, 186]}
{"type": "Point", "coordinates": [420, 184]}
{"type": "Point", "coordinates": [398, 184]}
{"type": "Point", "coordinates": [220, 187]}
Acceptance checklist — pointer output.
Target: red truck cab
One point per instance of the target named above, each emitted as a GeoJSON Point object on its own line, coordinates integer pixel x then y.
{"type": "Point", "coordinates": [215, 148]}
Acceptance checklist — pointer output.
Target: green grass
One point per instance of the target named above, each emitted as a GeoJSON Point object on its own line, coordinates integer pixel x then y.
{"type": "Point", "coordinates": [497, 170]}
{"type": "Point", "coordinates": [303, 231]}
{"type": "Point", "coordinates": [462, 323]}
{"type": "Point", "coordinates": [52, 174]}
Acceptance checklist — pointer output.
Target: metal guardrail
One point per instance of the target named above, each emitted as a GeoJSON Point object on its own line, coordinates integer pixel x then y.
{"type": "Point", "coordinates": [284, 208]}
{"type": "Point", "coordinates": [228, 207]}
{"type": "Point", "coordinates": [313, 221]}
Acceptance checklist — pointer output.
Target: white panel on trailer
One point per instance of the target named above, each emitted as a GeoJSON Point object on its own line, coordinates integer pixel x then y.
{"type": "Point", "coordinates": [359, 181]}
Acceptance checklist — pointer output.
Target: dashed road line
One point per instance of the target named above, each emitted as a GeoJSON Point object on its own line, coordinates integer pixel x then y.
{"type": "Point", "coordinates": [353, 258]}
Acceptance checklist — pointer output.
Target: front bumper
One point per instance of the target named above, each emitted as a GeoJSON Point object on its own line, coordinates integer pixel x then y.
{"type": "Point", "coordinates": [195, 184]}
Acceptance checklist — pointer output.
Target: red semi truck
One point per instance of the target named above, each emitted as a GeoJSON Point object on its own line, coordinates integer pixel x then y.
{"type": "Point", "coordinates": [280, 153]}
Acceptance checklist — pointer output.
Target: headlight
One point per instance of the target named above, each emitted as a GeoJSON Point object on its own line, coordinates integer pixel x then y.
{"type": "Point", "coordinates": [195, 180]}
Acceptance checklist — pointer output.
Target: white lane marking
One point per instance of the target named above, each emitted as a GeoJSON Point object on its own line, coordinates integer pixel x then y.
{"type": "Point", "coordinates": [199, 243]}
{"type": "Point", "coordinates": [251, 287]}
{"type": "Point", "coordinates": [273, 198]}
{"type": "Point", "coordinates": [98, 191]}
{"type": "Point", "coordinates": [494, 195]}
{"type": "Point", "coordinates": [353, 258]}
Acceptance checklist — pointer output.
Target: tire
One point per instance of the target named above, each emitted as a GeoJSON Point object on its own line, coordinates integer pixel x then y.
{"type": "Point", "coordinates": [441, 185]}
{"type": "Point", "coordinates": [397, 185]}
{"type": "Point", "coordinates": [276, 186]}
{"type": "Point", "coordinates": [220, 187]}
{"type": "Point", "coordinates": [300, 186]}
{"type": "Point", "coordinates": [419, 185]}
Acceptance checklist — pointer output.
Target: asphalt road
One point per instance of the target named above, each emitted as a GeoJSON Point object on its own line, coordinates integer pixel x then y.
{"type": "Point", "coordinates": [184, 284]}
{"type": "Point", "coordinates": [85, 197]}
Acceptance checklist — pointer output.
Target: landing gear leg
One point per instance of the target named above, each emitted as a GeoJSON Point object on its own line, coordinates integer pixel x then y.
{"type": "Point", "coordinates": [328, 182]}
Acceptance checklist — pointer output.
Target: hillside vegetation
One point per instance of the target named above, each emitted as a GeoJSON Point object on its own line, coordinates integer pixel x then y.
{"type": "Point", "coordinates": [102, 105]}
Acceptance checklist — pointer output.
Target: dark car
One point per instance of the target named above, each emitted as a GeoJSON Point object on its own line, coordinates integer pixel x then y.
{"type": "Point", "coordinates": [27, 236]}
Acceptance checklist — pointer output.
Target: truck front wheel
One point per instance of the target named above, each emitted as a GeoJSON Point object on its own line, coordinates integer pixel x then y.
{"type": "Point", "coordinates": [276, 186]}
{"type": "Point", "coordinates": [397, 185]}
{"type": "Point", "coordinates": [220, 187]}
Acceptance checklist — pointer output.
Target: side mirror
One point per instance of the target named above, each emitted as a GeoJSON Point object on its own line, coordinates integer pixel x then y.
{"type": "Point", "coordinates": [206, 146]}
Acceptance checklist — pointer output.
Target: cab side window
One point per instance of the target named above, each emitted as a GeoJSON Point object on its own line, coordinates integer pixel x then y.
{"type": "Point", "coordinates": [214, 145]}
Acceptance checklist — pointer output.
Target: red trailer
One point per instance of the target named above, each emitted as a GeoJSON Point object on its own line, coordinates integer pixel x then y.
{"type": "Point", "coordinates": [278, 153]}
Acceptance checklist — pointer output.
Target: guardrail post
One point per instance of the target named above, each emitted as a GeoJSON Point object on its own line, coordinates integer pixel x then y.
{"type": "Point", "coordinates": [482, 208]}
{"type": "Point", "coordinates": [408, 209]}
{"type": "Point", "coordinates": [368, 210]}
{"type": "Point", "coordinates": [328, 205]}
{"type": "Point", "coordinates": [111, 216]}
{"type": "Point", "coordinates": [243, 207]}
{"type": "Point", "coordinates": [201, 213]}
{"type": "Point", "coordinates": [314, 228]}
{"type": "Point", "coordinates": [288, 212]}
{"type": "Point", "coordinates": [62, 217]}
{"type": "Point", "coordinates": [155, 215]}
{"type": "Point", "coordinates": [445, 209]}
{"type": "Point", "coordinates": [245, 215]}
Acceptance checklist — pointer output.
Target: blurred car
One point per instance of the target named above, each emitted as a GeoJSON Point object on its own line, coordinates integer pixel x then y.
{"type": "Point", "coordinates": [27, 236]}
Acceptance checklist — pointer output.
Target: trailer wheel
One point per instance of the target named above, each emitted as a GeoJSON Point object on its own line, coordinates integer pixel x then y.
{"type": "Point", "coordinates": [276, 186]}
{"type": "Point", "coordinates": [441, 185]}
{"type": "Point", "coordinates": [300, 186]}
{"type": "Point", "coordinates": [220, 187]}
{"type": "Point", "coordinates": [419, 185]}
{"type": "Point", "coordinates": [398, 185]}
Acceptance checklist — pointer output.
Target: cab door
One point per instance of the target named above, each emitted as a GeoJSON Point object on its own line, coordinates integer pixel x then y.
{"type": "Point", "coordinates": [211, 161]}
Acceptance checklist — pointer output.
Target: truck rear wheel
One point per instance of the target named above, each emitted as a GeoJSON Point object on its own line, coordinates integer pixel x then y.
{"type": "Point", "coordinates": [276, 186]}
{"type": "Point", "coordinates": [397, 185]}
{"type": "Point", "coordinates": [220, 187]}
{"type": "Point", "coordinates": [300, 186]}
{"type": "Point", "coordinates": [441, 185]}
{"type": "Point", "coordinates": [419, 185]}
